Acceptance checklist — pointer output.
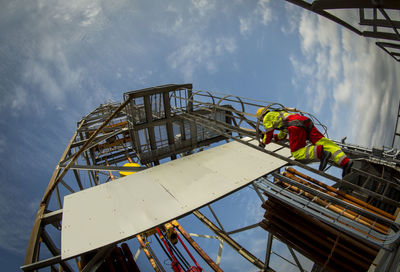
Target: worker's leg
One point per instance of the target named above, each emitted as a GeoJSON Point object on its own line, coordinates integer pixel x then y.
{"type": "Point", "coordinates": [310, 152]}
{"type": "Point", "coordinates": [338, 155]}
{"type": "Point", "coordinates": [297, 142]}
{"type": "Point", "coordinates": [315, 151]}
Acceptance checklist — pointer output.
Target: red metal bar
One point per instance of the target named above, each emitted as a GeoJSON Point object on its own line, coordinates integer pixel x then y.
{"type": "Point", "coordinates": [188, 252]}
{"type": "Point", "coordinates": [170, 252]}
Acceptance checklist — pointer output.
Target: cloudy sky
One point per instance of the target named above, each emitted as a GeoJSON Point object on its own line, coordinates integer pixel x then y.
{"type": "Point", "coordinates": [61, 59]}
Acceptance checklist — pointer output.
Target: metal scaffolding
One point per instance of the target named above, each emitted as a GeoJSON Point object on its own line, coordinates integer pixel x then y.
{"type": "Point", "coordinates": [159, 124]}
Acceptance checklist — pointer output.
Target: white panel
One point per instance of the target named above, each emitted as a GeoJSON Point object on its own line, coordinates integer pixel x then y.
{"type": "Point", "coordinates": [118, 210]}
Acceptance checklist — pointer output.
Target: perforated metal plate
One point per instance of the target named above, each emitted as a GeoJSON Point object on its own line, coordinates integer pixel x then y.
{"type": "Point", "coordinates": [118, 210]}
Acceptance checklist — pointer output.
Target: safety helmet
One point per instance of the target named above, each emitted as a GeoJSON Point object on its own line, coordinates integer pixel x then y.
{"type": "Point", "coordinates": [261, 111]}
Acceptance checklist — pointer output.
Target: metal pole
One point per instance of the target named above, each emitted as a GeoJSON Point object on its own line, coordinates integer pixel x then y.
{"type": "Point", "coordinates": [268, 251]}
{"type": "Point", "coordinates": [51, 186]}
{"type": "Point", "coordinates": [32, 250]}
{"type": "Point", "coordinates": [295, 258]}
{"type": "Point", "coordinates": [149, 257]}
{"type": "Point", "coordinates": [242, 251]}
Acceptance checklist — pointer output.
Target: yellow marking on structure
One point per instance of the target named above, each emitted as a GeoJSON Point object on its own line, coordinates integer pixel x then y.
{"type": "Point", "coordinates": [127, 173]}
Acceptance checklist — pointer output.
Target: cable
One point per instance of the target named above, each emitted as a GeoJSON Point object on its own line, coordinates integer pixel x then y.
{"type": "Point", "coordinates": [187, 251]}
{"type": "Point", "coordinates": [175, 261]}
{"type": "Point", "coordinates": [165, 251]}
{"type": "Point", "coordinates": [178, 254]}
{"type": "Point", "coordinates": [154, 255]}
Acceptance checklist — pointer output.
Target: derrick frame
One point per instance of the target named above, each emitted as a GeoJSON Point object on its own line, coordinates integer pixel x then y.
{"type": "Point", "coordinates": [98, 149]}
{"type": "Point", "coordinates": [115, 133]}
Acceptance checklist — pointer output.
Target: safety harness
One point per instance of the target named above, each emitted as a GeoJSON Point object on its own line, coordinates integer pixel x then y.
{"type": "Point", "coordinates": [307, 124]}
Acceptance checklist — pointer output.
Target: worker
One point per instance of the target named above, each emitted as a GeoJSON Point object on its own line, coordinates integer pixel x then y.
{"type": "Point", "coordinates": [301, 129]}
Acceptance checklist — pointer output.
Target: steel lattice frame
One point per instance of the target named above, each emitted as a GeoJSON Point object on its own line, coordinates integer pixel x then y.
{"type": "Point", "coordinates": [145, 128]}
{"type": "Point", "coordinates": [158, 124]}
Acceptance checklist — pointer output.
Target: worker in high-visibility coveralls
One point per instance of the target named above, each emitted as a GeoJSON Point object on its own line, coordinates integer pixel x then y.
{"type": "Point", "coordinates": [300, 129]}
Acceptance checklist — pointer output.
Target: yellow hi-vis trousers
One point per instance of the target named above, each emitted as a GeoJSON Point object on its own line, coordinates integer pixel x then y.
{"type": "Point", "coordinates": [310, 152]}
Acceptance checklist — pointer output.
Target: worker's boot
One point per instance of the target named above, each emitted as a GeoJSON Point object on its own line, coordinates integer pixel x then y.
{"type": "Point", "coordinates": [347, 168]}
{"type": "Point", "coordinates": [325, 155]}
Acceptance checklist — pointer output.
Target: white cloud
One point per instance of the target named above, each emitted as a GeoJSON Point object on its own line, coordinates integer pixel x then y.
{"type": "Point", "coordinates": [225, 44]}
{"type": "Point", "coordinates": [293, 13]}
{"type": "Point", "coordinates": [190, 56]}
{"type": "Point", "coordinates": [203, 7]}
{"type": "Point", "coordinates": [199, 54]}
{"type": "Point", "coordinates": [83, 13]}
{"type": "Point", "coordinates": [245, 26]}
{"type": "Point", "coordinates": [260, 14]}
{"type": "Point", "coordinates": [264, 11]}
{"type": "Point", "coordinates": [349, 78]}
{"type": "Point", "coordinates": [320, 47]}
{"type": "Point", "coordinates": [20, 98]}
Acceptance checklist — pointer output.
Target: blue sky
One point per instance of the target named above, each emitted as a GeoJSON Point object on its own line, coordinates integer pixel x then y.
{"type": "Point", "coordinates": [59, 60]}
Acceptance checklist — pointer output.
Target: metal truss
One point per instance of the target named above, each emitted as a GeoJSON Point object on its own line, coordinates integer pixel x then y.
{"type": "Point", "coordinates": [379, 24]}
{"type": "Point", "coordinates": [155, 125]}
{"type": "Point", "coordinates": [141, 129]}
{"type": "Point", "coordinates": [144, 129]}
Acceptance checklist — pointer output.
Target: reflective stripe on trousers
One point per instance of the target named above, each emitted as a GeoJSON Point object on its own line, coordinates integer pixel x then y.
{"type": "Point", "coordinates": [310, 152]}
{"type": "Point", "coordinates": [306, 153]}
{"type": "Point", "coordinates": [337, 154]}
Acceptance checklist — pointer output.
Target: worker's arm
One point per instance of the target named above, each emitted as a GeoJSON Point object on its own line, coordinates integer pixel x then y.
{"type": "Point", "coordinates": [268, 136]}
{"type": "Point", "coordinates": [268, 123]}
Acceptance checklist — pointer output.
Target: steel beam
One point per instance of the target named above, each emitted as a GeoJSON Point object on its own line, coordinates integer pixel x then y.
{"type": "Point", "coordinates": [78, 179]}
{"type": "Point", "coordinates": [268, 251]}
{"type": "Point", "coordinates": [241, 250]}
{"type": "Point", "coordinates": [148, 254]}
{"type": "Point", "coordinates": [379, 23]}
{"type": "Point", "coordinates": [295, 258]}
{"type": "Point", "coordinates": [104, 168]}
{"type": "Point", "coordinates": [53, 183]}
{"type": "Point", "coordinates": [67, 186]}
{"type": "Point", "coordinates": [52, 217]}
{"type": "Point", "coordinates": [258, 192]}
{"type": "Point", "coordinates": [32, 250]}
{"type": "Point", "coordinates": [54, 250]}
{"type": "Point", "coordinates": [42, 264]}
{"type": "Point", "coordinates": [381, 35]}
{"type": "Point", "coordinates": [170, 132]}
{"type": "Point", "coordinates": [216, 218]}
{"type": "Point", "coordinates": [97, 260]}
{"type": "Point", "coordinates": [196, 247]}
{"type": "Point", "coordinates": [348, 4]}
{"type": "Point", "coordinates": [395, 129]}
{"type": "Point", "coordinates": [58, 197]}
{"type": "Point", "coordinates": [150, 128]}
{"type": "Point", "coordinates": [99, 138]}
{"type": "Point", "coordinates": [325, 14]}
{"type": "Point", "coordinates": [158, 89]}
{"type": "Point", "coordinates": [243, 229]}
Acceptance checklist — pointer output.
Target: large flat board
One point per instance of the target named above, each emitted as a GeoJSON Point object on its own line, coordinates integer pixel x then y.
{"type": "Point", "coordinates": [118, 210]}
